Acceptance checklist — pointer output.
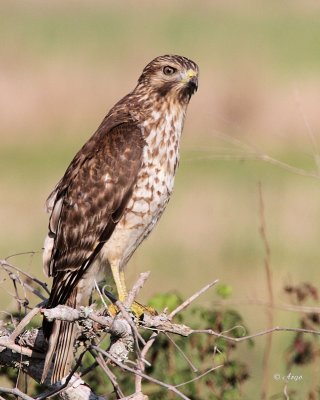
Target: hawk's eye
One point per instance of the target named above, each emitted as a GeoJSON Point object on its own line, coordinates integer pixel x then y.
{"type": "Point", "coordinates": [167, 70]}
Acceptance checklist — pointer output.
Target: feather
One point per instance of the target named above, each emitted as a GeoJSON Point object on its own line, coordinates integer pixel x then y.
{"type": "Point", "coordinates": [112, 194]}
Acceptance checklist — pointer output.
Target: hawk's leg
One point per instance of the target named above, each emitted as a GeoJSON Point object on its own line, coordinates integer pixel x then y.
{"type": "Point", "coordinates": [119, 280]}
{"type": "Point", "coordinates": [137, 308]}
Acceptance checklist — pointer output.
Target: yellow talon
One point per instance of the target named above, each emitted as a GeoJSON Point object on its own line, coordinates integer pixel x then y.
{"type": "Point", "coordinates": [138, 310]}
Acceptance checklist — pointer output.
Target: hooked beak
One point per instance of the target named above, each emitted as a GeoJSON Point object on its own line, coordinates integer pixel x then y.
{"type": "Point", "coordinates": [193, 83]}
{"type": "Point", "coordinates": [191, 80]}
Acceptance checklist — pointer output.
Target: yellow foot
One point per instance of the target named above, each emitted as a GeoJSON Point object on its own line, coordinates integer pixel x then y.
{"type": "Point", "coordinates": [138, 310]}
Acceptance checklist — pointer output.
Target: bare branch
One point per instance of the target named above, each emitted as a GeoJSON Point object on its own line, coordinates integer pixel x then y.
{"type": "Point", "coordinates": [4, 263]}
{"type": "Point", "coordinates": [137, 372]}
{"type": "Point", "coordinates": [32, 361]}
{"type": "Point", "coordinates": [136, 289]}
{"type": "Point", "coordinates": [76, 390]}
{"type": "Point", "coordinates": [254, 335]}
{"type": "Point", "coordinates": [187, 302]}
{"type": "Point", "coordinates": [194, 369]}
{"type": "Point", "coordinates": [100, 360]}
{"type": "Point", "coordinates": [60, 388]}
{"type": "Point", "coordinates": [140, 364]}
{"type": "Point", "coordinates": [136, 396]}
{"type": "Point", "coordinates": [26, 350]}
{"type": "Point", "coordinates": [261, 157]}
{"type": "Point", "coordinates": [16, 392]}
{"type": "Point", "coordinates": [24, 322]}
{"type": "Point", "coordinates": [255, 302]}
{"type": "Point", "coordinates": [200, 376]}
{"type": "Point", "coordinates": [311, 135]}
{"type": "Point", "coordinates": [268, 272]}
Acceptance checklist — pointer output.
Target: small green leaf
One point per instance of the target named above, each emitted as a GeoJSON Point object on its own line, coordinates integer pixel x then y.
{"type": "Point", "coordinates": [161, 301]}
{"type": "Point", "coordinates": [223, 290]}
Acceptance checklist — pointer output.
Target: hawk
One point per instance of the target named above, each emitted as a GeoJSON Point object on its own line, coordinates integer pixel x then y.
{"type": "Point", "coordinates": [113, 193]}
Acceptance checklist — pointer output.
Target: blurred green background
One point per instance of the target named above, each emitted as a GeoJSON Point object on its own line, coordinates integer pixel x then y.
{"type": "Point", "coordinates": [64, 64]}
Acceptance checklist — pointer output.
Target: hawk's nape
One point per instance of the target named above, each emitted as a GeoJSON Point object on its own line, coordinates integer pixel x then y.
{"type": "Point", "coordinates": [113, 193]}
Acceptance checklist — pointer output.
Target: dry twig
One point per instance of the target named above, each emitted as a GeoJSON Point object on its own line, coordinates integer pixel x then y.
{"type": "Point", "coordinates": [268, 272]}
{"type": "Point", "coordinates": [26, 350]}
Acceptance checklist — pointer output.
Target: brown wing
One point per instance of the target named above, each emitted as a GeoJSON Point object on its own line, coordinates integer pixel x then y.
{"type": "Point", "coordinates": [89, 201]}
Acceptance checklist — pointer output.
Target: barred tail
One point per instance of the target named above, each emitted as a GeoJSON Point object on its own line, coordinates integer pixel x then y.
{"type": "Point", "coordinates": [61, 336]}
{"type": "Point", "coordinates": [64, 351]}
{"type": "Point", "coordinates": [61, 348]}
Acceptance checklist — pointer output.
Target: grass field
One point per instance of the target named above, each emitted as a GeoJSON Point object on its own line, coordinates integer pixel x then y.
{"type": "Point", "coordinates": [64, 65]}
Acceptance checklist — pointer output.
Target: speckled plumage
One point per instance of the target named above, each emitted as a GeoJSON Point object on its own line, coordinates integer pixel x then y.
{"type": "Point", "coordinates": [113, 193]}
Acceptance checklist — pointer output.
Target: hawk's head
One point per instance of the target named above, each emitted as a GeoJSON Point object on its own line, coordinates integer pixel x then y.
{"type": "Point", "coordinates": [171, 75]}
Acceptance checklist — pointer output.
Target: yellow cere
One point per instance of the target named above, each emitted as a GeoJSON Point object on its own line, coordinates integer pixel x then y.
{"type": "Point", "coordinates": [191, 73]}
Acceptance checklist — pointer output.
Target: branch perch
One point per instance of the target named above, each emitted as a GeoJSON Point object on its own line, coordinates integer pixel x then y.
{"type": "Point", "coordinates": [26, 349]}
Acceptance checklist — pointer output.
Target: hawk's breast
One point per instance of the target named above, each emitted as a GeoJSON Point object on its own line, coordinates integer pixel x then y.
{"type": "Point", "coordinates": [153, 187]}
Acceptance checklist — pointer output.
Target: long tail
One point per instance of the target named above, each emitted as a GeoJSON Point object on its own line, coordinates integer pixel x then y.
{"type": "Point", "coordinates": [61, 347]}
{"type": "Point", "coordinates": [61, 335]}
